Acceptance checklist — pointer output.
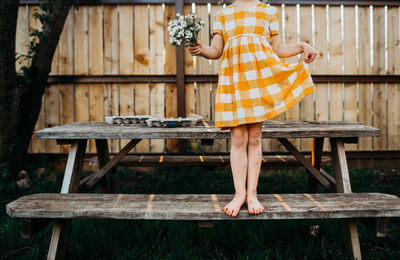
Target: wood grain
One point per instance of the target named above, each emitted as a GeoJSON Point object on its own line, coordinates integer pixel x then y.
{"type": "Point", "coordinates": [271, 129]}
{"type": "Point", "coordinates": [202, 206]}
{"type": "Point", "coordinates": [364, 58]}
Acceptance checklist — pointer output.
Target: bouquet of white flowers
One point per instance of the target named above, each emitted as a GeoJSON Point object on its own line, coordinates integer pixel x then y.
{"type": "Point", "coordinates": [184, 29]}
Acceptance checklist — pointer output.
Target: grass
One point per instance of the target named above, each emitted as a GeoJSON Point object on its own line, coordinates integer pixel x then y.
{"type": "Point", "coordinates": [138, 239]}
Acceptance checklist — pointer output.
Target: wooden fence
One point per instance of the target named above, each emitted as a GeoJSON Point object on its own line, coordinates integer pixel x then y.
{"type": "Point", "coordinates": [113, 39]}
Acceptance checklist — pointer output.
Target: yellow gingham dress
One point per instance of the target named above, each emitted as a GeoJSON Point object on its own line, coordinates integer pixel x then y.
{"type": "Point", "coordinates": [254, 84]}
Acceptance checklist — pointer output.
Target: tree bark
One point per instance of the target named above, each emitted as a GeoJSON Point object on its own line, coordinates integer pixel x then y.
{"type": "Point", "coordinates": [8, 81]}
{"type": "Point", "coordinates": [19, 115]}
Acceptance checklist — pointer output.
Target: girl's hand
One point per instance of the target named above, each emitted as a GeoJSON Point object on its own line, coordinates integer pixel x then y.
{"type": "Point", "coordinates": [309, 52]}
{"type": "Point", "coordinates": [196, 49]}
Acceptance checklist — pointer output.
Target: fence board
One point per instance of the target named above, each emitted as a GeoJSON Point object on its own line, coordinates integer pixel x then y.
{"type": "Point", "coordinates": [171, 98]}
{"type": "Point", "coordinates": [350, 67]}
{"type": "Point", "coordinates": [220, 145]}
{"type": "Point", "coordinates": [126, 62]}
{"type": "Point", "coordinates": [364, 61]}
{"type": "Point", "coordinates": [321, 66]}
{"type": "Point", "coordinates": [111, 66]}
{"type": "Point", "coordinates": [203, 90]}
{"type": "Point", "coordinates": [96, 67]}
{"type": "Point", "coordinates": [393, 68]}
{"type": "Point", "coordinates": [378, 67]}
{"type": "Point", "coordinates": [81, 64]}
{"type": "Point", "coordinates": [157, 90]}
{"type": "Point", "coordinates": [142, 66]}
{"type": "Point", "coordinates": [291, 36]}
{"type": "Point", "coordinates": [190, 94]}
{"type": "Point", "coordinates": [335, 63]}
{"type": "Point", "coordinates": [307, 103]}
{"type": "Point", "coordinates": [66, 65]}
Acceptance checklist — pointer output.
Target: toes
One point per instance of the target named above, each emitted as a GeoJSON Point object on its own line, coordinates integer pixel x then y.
{"type": "Point", "coordinates": [251, 210]}
{"type": "Point", "coordinates": [234, 213]}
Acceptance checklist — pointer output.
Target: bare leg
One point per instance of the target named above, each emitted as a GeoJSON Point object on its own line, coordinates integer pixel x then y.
{"type": "Point", "coordinates": [238, 159]}
{"type": "Point", "coordinates": [254, 155]}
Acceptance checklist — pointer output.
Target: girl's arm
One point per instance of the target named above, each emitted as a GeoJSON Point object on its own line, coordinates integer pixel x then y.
{"type": "Point", "coordinates": [212, 52]}
{"type": "Point", "coordinates": [289, 50]}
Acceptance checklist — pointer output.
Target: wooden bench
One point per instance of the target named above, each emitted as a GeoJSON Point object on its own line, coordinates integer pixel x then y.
{"type": "Point", "coordinates": [337, 203]}
{"type": "Point", "coordinates": [202, 206]}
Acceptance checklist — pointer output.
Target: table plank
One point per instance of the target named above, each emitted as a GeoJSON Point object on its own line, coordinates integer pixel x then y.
{"type": "Point", "coordinates": [271, 129]}
{"type": "Point", "coordinates": [202, 206]}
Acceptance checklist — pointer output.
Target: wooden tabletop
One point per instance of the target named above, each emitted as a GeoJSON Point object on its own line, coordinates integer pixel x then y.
{"type": "Point", "coordinates": [206, 130]}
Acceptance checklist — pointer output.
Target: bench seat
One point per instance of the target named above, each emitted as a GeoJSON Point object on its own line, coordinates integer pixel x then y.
{"type": "Point", "coordinates": [202, 206]}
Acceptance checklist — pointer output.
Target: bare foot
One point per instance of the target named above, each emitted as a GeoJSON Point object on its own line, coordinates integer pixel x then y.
{"type": "Point", "coordinates": [233, 207]}
{"type": "Point", "coordinates": [254, 206]}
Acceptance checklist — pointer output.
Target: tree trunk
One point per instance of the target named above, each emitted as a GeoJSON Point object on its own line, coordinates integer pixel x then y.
{"type": "Point", "coordinates": [19, 115]}
{"type": "Point", "coordinates": [9, 102]}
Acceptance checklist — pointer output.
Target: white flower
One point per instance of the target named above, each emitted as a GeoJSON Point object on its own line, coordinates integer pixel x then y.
{"type": "Point", "coordinates": [184, 29]}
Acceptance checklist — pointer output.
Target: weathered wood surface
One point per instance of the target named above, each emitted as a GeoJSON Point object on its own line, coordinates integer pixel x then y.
{"type": "Point", "coordinates": [202, 206]}
{"type": "Point", "coordinates": [198, 160]}
{"type": "Point", "coordinates": [271, 129]}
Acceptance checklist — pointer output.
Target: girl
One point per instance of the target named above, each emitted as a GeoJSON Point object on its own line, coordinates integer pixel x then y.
{"type": "Point", "coordinates": [253, 85]}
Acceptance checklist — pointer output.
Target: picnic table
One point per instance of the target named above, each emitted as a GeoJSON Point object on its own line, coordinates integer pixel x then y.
{"type": "Point", "coordinates": [74, 201]}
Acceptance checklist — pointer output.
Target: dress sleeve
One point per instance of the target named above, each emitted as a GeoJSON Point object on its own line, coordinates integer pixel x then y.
{"type": "Point", "coordinates": [274, 21]}
{"type": "Point", "coordinates": [218, 27]}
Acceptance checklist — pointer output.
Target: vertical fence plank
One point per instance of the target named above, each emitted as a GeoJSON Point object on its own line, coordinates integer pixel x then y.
{"type": "Point", "coordinates": [190, 94]}
{"type": "Point", "coordinates": [393, 68]}
{"type": "Point", "coordinates": [111, 66]}
{"type": "Point", "coordinates": [364, 61]}
{"type": "Point", "coordinates": [307, 103]}
{"type": "Point", "coordinates": [203, 93]}
{"type": "Point", "coordinates": [171, 98]}
{"type": "Point", "coordinates": [38, 145]}
{"type": "Point", "coordinates": [321, 66]}
{"type": "Point", "coordinates": [157, 90]}
{"type": "Point", "coordinates": [293, 113]}
{"type": "Point", "coordinates": [378, 67]}
{"type": "Point", "coordinates": [66, 65]}
{"type": "Point", "coordinates": [350, 67]}
{"type": "Point", "coordinates": [335, 63]}
{"type": "Point", "coordinates": [96, 67]}
{"type": "Point", "coordinates": [81, 64]}
{"type": "Point", "coordinates": [126, 61]}
{"type": "Point", "coordinates": [142, 66]}
{"type": "Point", "coordinates": [220, 145]}
{"type": "Point", "coordinates": [52, 105]}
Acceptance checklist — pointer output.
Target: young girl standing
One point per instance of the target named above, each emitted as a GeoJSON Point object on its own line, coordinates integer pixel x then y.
{"type": "Point", "coordinates": [253, 85]}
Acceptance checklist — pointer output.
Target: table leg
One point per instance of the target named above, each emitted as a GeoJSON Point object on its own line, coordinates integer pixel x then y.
{"type": "Point", "coordinates": [90, 181]}
{"type": "Point", "coordinates": [103, 156]}
{"type": "Point", "coordinates": [310, 168]}
{"type": "Point", "coordinates": [316, 156]}
{"type": "Point", "coordinates": [343, 185]}
{"type": "Point", "coordinates": [62, 227]}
